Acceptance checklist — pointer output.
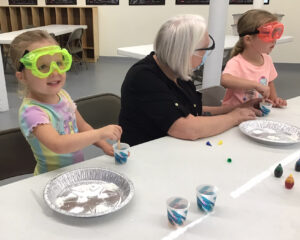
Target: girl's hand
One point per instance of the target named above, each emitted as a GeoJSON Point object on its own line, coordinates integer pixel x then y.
{"type": "Point", "coordinates": [107, 148]}
{"type": "Point", "coordinates": [112, 132]}
{"type": "Point", "coordinates": [263, 90]}
{"type": "Point", "coordinates": [279, 102]}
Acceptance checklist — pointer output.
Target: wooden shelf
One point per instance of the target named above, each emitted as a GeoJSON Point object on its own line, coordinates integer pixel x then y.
{"type": "Point", "coordinates": [14, 18]}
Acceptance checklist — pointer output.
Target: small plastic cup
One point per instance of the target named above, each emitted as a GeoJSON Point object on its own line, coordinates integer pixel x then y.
{"type": "Point", "coordinates": [121, 152]}
{"type": "Point", "coordinates": [206, 197]}
{"type": "Point", "coordinates": [177, 208]}
{"type": "Point", "coordinates": [265, 107]}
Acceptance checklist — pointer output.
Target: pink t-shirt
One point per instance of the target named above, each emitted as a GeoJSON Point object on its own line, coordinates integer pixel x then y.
{"type": "Point", "coordinates": [239, 67]}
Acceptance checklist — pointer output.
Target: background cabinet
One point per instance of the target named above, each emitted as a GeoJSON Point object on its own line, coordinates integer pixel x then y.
{"type": "Point", "coordinates": [17, 18]}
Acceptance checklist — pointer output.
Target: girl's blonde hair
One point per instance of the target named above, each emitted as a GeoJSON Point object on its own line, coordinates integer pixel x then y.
{"type": "Point", "coordinates": [176, 42]}
{"type": "Point", "coordinates": [249, 22]}
{"type": "Point", "coordinates": [20, 44]}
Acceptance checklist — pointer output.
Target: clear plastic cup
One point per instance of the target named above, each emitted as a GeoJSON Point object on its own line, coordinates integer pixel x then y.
{"type": "Point", "coordinates": [265, 107]}
{"type": "Point", "coordinates": [206, 197]}
{"type": "Point", "coordinates": [121, 152]}
{"type": "Point", "coordinates": [177, 208]}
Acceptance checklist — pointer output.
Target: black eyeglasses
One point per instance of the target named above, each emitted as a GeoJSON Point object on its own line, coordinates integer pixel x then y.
{"type": "Point", "coordinates": [212, 47]}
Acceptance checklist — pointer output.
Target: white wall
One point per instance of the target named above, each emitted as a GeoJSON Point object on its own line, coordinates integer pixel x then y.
{"type": "Point", "coordinates": [123, 25]}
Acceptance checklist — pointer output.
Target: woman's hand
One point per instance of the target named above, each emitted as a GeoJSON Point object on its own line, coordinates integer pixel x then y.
{"type": "Point", "coordinates": [253, 104]}
{"type": "Point", "coordinates": [242, 114]}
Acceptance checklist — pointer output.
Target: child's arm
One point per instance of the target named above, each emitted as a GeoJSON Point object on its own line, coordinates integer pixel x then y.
{"type": "Point", "coordinates": [57, 143]}
{"type": "Point", "coordinates": [277, 102]}
{"type": "Point", "coordinates": [84, 126]}
{"type": "Point", "coordinates": [233, 82]}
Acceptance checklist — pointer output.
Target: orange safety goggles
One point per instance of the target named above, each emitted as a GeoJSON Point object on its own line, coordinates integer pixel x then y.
{"type": "Point", "coordinates": [267, 32]}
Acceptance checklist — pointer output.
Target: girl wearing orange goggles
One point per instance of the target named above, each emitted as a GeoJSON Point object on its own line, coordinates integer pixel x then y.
{"type": "Point", "coordinates": [250, 72]}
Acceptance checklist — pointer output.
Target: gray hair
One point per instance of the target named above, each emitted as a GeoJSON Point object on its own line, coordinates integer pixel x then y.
{"type": "Point", "coordinates": [176, 42]}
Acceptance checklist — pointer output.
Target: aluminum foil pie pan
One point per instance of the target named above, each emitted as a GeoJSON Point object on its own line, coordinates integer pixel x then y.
{"type": "Point", "coordinates": [271, 132]}
{"type": "Point", "coordinates": [88, 192]}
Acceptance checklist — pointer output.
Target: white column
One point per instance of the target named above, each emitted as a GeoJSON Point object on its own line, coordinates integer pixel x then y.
{"type": "Point", "coordinates": [216, 28]}
{"type": "Point", "coordinates": [258, 4]}
{"type": "Point", "coordinates": [3, 92]}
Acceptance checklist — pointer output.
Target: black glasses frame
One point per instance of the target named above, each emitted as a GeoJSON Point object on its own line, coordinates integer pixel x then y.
{"type": "Point", "coordinates": [212, 47]}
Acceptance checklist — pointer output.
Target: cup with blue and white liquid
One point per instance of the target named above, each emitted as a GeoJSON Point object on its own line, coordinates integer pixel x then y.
{"type": "Point", "coordinates": [177, 209]}
{"type": "Point", "coordinates": [265, 107]}
{"type": "Point", "coordinates": [206, 197]}
{"type": "Point", "coordinates": [121, 152]}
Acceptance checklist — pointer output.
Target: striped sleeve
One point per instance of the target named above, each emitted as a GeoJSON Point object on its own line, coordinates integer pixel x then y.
{"type": "Point", "coordinates": [31, 117]}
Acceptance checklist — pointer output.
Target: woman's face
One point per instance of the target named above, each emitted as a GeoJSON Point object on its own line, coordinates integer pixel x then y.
{"type": "Point", "coordinates": [197, 56]}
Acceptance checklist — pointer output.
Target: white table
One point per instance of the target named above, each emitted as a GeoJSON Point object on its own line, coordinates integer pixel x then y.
{"type": "Point", "coordinates": [7, 38]}
{"type": "Point", "coordinates": [141, 51]}
{"type": "Point", "coordinates": [171, 167]}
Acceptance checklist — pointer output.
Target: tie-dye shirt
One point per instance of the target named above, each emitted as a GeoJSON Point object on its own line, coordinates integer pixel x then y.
{"type": "Point", "coordinates": [62, 117]}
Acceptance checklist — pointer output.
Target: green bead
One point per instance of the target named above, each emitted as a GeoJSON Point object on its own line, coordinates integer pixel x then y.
{"type": "Point", "coordinates": [229, 160]}
{"type": "Point", "coordinates": [278, 171]}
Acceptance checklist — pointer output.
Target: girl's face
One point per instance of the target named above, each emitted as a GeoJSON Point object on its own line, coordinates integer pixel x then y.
{"type": "Point", "coordinates": [42, 89]}
{"type": "Point", "coordinates": [261, 46]}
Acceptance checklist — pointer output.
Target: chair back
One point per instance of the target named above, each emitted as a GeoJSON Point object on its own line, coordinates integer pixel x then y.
{"type": "Point", "coordinates": [212, 96]}
{"type": "Point", "coordinates": [100, 110]}
{"type": "Point", "coordinates": [74, 43]}
{"type": "Point", "coordinates": [52, 35]}
{"type": "Point", "coordinates": [16, 157]}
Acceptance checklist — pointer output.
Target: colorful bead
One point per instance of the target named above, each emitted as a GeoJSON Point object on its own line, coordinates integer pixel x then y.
{"type": "Point", "coordinates": [208, 143]}
{"type": "Point", "coordinates": [278, 171]}
{"type": "Point", "coordinates": [229, 160]}
{"type": "Point", "coordinates": [297, 166]}
{"type": "Point", "coordinates": [289, 182]}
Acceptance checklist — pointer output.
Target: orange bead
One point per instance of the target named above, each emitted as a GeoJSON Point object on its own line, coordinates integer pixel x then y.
{"type": "Point", "coordinates": [289, 182]}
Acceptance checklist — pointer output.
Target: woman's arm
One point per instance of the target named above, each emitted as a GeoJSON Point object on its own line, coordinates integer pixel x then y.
{"type": "Point", "coordinates": [57, 143]}
{"type": "Point", "coordinates": [84, 126]}
{"type": "Point", "coordinates": [217, 110]}
{"type": "Point", "coordinates": [194, 127]}
{"type": "Point", "coordinates": [233, 82]}
{"type": "Point", "coordinates": [223, 109]}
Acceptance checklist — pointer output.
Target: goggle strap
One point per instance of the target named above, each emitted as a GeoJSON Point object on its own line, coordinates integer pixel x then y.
{"type": "Point", "coordinates": [248, 33]}
{"type": "Point", "coordinates": [22, 66]}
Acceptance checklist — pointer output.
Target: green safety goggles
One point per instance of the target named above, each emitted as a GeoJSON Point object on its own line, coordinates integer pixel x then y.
{"type": "Point", "coordinates": [43, 61]}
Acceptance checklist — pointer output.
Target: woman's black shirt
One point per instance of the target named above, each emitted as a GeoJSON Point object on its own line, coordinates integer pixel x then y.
{"type": "Point", "coordinates": [151, 102]}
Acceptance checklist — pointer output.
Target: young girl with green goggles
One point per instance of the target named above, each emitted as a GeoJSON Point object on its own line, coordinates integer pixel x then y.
{"type": "Point", "coordinates": [48, 117]}
{"type": "Point", "coordinates": [250, 73]}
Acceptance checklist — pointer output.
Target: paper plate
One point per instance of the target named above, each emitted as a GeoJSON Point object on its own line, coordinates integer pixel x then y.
{"type": "Point", "coordinates": [271, 132]}
{"type": "Point", "coordinates": [88, 192]}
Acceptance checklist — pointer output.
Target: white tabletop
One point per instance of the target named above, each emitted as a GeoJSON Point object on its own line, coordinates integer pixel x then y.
{"type": "Point", "coordinates": [141, 51]}
{"type": "Point", "coordinates": [172, 167]}
{"type": "Point", "coordinates": [57, 29]}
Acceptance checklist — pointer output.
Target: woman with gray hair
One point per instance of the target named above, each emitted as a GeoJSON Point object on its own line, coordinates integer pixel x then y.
{"type": "Point", "coordinates": [158, 97]}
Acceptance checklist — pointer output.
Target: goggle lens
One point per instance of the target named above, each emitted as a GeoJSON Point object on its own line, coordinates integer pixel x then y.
{"type": "Point", "coordinates": [44, 62]}
{"type": "Point", "coordinates": [270, 31]}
